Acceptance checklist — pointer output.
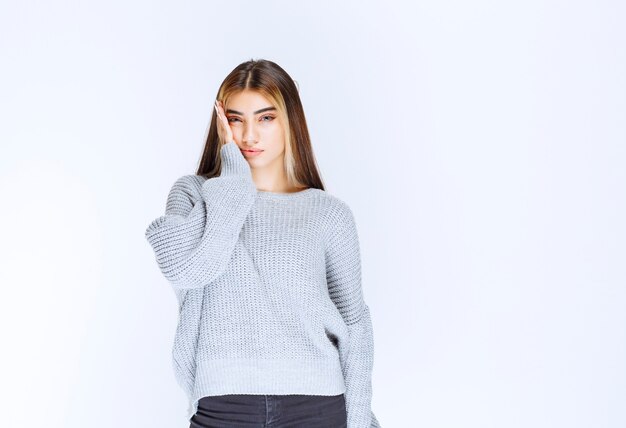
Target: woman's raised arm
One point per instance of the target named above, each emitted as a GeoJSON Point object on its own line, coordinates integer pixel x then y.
{"type": "Point", "coordinates": [195, 238]}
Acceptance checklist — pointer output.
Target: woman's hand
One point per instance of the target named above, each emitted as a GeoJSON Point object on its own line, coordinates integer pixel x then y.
{"type": "Point", "coordinates": [223, 127]}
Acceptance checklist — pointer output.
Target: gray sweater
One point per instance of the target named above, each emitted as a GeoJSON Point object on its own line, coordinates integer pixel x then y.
{"type": "Point", "coordinates": [268, 288]}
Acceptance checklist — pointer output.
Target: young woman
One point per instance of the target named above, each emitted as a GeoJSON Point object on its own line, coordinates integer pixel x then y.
{"type": "Point", "coordinates": [273, 327]}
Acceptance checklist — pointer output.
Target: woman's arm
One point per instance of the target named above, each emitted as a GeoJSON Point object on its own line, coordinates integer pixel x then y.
{"type": "Point", "coordinates": [343, 275]}
{"type": "Point", "coordinates": [195, 238]}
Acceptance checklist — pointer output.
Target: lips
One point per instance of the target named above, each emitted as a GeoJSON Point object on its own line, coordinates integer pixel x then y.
{"type": "Point", "coordinates": [251, 151]}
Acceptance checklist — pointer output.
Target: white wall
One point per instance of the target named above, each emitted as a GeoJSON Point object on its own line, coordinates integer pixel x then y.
{"type": "Point", "coordinates": [481, 145]}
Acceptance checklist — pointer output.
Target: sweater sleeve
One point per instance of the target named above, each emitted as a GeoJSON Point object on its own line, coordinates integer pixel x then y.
{"type": "Point", "coordinates": [195, 238]}
{"type": "Point", "coordinates": [343, 275]}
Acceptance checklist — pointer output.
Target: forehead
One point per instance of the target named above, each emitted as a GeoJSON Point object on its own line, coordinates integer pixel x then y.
{"type": "Point", "coordinates": [248, 101]}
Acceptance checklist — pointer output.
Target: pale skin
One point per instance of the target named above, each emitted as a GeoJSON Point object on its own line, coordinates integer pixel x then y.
{"type": "Point", "coordinates": [252, 122]}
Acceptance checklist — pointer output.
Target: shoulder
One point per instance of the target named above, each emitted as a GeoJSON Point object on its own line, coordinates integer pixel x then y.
{"type": "Point", "coordinates": [336, 208]}
{"type": "Point", "coordinates": [338, 217]}
{"type": "Point", "coordinates": [190, 180]}
{"type": "Point", "coordinates": [185, 191]}
{"type": "Point", "coordinates": [189, 184]}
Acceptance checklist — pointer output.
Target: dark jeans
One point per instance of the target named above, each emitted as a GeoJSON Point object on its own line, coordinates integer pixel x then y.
{"type": "Point", "coordinates": [270, 411]}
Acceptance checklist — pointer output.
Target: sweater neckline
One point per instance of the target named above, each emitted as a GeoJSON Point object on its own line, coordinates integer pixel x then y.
{"type": "Point", "coordinates": [277, 195]}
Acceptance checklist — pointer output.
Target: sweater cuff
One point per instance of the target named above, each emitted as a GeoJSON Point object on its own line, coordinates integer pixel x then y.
{"type": "Point", "coordinates": [357, 368]}
{"type": "Point", "coordinates": [233, 161]}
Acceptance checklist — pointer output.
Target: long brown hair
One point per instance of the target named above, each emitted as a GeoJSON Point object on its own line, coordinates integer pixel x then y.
{"type": "Point", "coordinates": [271, 81]}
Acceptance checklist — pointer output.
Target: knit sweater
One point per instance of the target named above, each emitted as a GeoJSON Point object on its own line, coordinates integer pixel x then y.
{"type": "Point", "coordinates": [268, 288]}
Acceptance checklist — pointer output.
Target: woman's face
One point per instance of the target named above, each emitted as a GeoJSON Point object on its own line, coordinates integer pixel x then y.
{"type": "Point", "coordinates": [256, 125]}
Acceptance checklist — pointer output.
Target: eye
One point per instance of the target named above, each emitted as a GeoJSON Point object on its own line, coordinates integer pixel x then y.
{"type": "Point", "coordinates": [269, 117]}
{"type": "Point", "coordinates": [232, 119]}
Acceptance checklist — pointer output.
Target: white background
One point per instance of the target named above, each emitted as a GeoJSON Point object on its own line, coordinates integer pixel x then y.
{"type": "Point", "coordinates": [480, 144]}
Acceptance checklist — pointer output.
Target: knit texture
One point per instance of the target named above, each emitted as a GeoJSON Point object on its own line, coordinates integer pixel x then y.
{"type": "Point", "coordinates": [268, 288]}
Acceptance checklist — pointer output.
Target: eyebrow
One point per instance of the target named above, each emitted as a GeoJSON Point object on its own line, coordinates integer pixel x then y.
{"type": "Point", "coordinates": [256, 112]}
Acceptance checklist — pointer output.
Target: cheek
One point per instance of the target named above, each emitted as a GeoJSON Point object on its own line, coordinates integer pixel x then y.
{"type": "Point", "coordinates": [273, 129]}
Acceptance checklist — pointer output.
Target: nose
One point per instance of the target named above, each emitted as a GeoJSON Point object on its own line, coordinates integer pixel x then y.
{"type": "Point", "coordinates": [249, 133]}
